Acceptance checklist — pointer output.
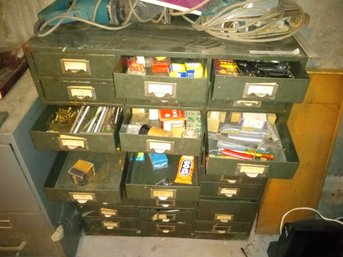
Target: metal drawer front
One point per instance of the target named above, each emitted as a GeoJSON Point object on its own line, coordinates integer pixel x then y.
{"type": "Point", "coordinates": [105, 187]}
{"type": "Point", "coordinates": [118, 226]}
{"type": "Point", "coordinates": [227, 211]}
{"type": "Point", "coordinates": [223, 230]}
{"type": "Point", "coordinates": [262, 88]}
{"type": "Point", "coordinates": [145, 183]}
{"type": "Point", "coordinates": [159, 87]}
{"type": "Point", "coordinates": [107, 211]}
{"type": "Point", "coordinates": [74, 65]}
{"type": "Point", "coordinates": [66, 91]}
{"type": "Point", "coordinates": [61, 139]}
{"type": "Point", "coordinates": [229, 191]}
{"type": "Point", "coordinates": [166, 230]}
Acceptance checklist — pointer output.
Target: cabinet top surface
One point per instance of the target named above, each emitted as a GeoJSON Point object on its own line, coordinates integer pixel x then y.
{"type": "Point", "coordinates": [17, 103]}
{"type": "Point", "coordinates": [147, 38]}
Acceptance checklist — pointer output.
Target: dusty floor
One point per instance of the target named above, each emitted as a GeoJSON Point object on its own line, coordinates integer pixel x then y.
{"type": "Point", "coordinates": [115, 246]}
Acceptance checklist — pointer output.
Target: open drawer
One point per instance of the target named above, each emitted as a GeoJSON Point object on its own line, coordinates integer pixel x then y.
{"type": "Point", "coordinates": [145, 183]}
{"type": "Point", "coordinates": [73, 128]}
{"type": "Point", "coordinates": [147, 84]}
{"type": "Point", "coordinates": [264, 152]}
{"type": "Point", "coordinates": [179, 136]}
{"type": "Point", "coordinates": [259, 81]}
{"type": "Point", "coordinates": [106, 186]}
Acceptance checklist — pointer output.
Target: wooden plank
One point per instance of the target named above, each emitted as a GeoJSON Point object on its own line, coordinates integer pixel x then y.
{"type": "Point", "coordinates": [312, 126]}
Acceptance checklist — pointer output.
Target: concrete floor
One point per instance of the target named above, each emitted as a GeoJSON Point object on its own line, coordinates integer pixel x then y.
{"type": "Point", "coordinates": [117, 246]}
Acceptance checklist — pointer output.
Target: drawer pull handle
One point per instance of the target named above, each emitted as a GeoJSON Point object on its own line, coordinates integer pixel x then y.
{"type": "Point", "coordinates": [72, 143]}
{"type": "Point", "coordinates": [81, 93]}
{"type": "Point", "coordinates": [240, 103]}
{"type": "Point", "coordinates": [159, 146]}
{"type": "Point", "coordinates": [251, 170]}
{"type": "Point", "coordinates": [165, 228]}
{"type": "Point", "coordinates": [160, 89]}
{"type": "Point", "coordinates": [110, 225]}
{"type": "Point", "coordinates": [75, 66]}
{"type": "Point", "coordinates": [18, 248]}
{"type": "Point", "coordinates": [163, 217]}
{"type": "Point", "coordinates": [5, 224]}
{"type": "Point", "coordinates": [260, 90]}
{"type": "Point", "coordinates": [225, 218]}
{"type": "Point", "coordinates": [221, 229]}
{"type": "Point", "coordinates": [163, 194]}
{"type": "Point", "coordinates": [82, 197]}
{"type": "Point", "coordinates": [109, 212]}
{"type": "Point", "coordinates": [228, 192]}
{"type": "Point", "coordinates": [165, 204]}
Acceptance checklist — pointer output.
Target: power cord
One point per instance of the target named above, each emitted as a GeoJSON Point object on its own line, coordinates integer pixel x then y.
{"type": "Point", "coordinates": [244, 21]}
{"type": "Point", "coordinates": [337, 220]}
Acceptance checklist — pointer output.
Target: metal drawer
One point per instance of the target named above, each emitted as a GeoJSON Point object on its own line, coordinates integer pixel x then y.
{"type": "Point", "coordinates": [105, 187]}
{"type": "Point", "coordinates": [74, 64]}
{"type": "Point", "coordinates": [60, 139]}
{"type": "Point", "coordinates": [226, 231]}
{"type": "Point", "coordinates": [225, 211]}
{"type": "Point", "coordinates": [159, 144]}
{"type": "Point", "coordinates": [246, 105]}
{"type": "Point", "coordinates": [118, 226]}
{"type": "Point", "coordinates": [107, 211]}
{"type": "Point", "coordinates": [232, 180]}
{"type": "Point", "coordinates": [166, 204]}
{"type": "Point", "coordinates": [25, 234]}
{"type": "Point", "coordinates": [78, 91]}
{"type": "Point", "coordinates": [143, 182]}
{"type": "Point", "coordinates": [166, 215]}
{"type": "Point", "coordinates": [166, 230]}
{"type": "Point", "coordinates": [283, 166]}
{"type": "Point", "coordinates": [229, 191]}
{"type": "Point", "coordinates": [262, 88]}
{"type": "Point", "coordinates": [159, 87]}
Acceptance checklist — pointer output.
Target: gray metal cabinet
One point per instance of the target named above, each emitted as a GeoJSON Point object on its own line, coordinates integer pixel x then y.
{"type": "Point", "coordinates": [27, 219]}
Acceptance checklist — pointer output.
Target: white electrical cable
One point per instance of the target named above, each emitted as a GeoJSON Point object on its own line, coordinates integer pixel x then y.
{"type": "Point", "coordinates": [307, 209]}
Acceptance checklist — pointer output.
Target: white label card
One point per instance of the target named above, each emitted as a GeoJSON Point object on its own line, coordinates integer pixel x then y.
{"type": "Point", "coordinates": [252, 170]}
{"type": "Point", "coordinates": [72, 142]}
{"type": "Point", "coordinates": [160, 89]}
{"type": "Point", "coordinates": [81, 92]}
{"type": "Point", "coordinates": [267, 90]}
{"type": "Point", "coordinates": [75, 65]}
{"type": "Point", "coordinates": [159, 146]}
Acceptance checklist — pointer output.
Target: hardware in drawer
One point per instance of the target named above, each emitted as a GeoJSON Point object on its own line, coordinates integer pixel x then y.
{"type": "Point", "coordinates": [166, 215]}
{"type": "Point", "coordinates": [252, 144]}
{"type": "Point", "coordinates": [66, 91]}
{"type": "Point", "coordinates": [138, 77]}
{"type": "Point", "coordinates": [159, 185]}
{"type": "Point", "coordinates": [74, 128]}
{"type": "Point", "coordinates": [225, 211]}
{"type": "Point", "coordinates": [169, 131]}
{"type": "Point", "coordinates": [279, 81]}
{"type": "Point", "coordinates": [74, 65]}
{"type": "Point", "coordinates": [179, 229]}
{"type": "Point", "coordinates": [105, 187]}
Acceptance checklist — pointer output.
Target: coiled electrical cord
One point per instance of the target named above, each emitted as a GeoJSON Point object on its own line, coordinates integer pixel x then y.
{"type": "Point", "coordinates": [242, 21]}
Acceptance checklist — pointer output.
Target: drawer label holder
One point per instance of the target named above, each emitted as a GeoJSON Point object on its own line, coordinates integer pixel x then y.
{"type": "Point", "coordinates": [110, 225]}
{"type": "Point", "coordinates": [162, 194]}
{"type": "Point", "coordinates": [260, 90]}
{"type": "Point", "coordinates": [72, 143]}
{"type": "Point", "coordinates": [228, 192]}
{"type": "Point", "coordinates": [159, 146]}
{"type": "Point", "coordinates": [108, 212]}
{"type": "Point", "coordinates": [81, 93]}
{"type": "Point", "coordinates": [222, 217]}
{"type": "Point", "coordinates": [160, 89]}
{"type": "Point", "coordinates": [251, 170]}
{"type": "Point", "coordinates": [82, 197]}
{"type": "Point", "coordinates": [75, 66]}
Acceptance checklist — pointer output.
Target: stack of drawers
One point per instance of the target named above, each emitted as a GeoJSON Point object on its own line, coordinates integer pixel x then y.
{"type": "Point", "coordinates": [126, 196]}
